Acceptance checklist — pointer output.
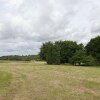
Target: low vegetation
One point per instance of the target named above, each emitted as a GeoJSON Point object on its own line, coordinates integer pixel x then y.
{"type": "Point", "coordinates": [39, 81]}
{"type": "Point", "coordinates": [5, 79]}
{"type": "Point", "coordinates": [20, 58]}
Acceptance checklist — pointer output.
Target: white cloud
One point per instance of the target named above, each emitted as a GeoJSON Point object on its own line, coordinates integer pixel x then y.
{"type": "Point", "coordinates": [25, 24]}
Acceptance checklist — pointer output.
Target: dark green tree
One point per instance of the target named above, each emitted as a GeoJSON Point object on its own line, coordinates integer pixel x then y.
{"type": "Point", "coordinates": [44, 50]}
{"type": "Point", "coordinates": [81, 58]}
{"type": "Point", "coordinates": [67, 50]}
{"type": "Point", "coordinates": [53, 55]}
{"type": "Point", "coordinates": [78, 58]}
{"type": "Point", "coordinates": [93, 48]}
{"type": "Point", "coordinates": [81, 47]}
{"type": "Point", "coordinates": [89, 60]}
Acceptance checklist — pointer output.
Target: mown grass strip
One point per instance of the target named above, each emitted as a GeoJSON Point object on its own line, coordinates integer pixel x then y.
{"type": "Point", "coordinates": [4, 79]}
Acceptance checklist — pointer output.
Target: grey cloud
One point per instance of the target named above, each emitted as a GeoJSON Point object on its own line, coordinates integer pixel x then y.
{"type": "Point", "coordinates": [95, 28]}
{"type": "Point", "coordinates": [26, 24]}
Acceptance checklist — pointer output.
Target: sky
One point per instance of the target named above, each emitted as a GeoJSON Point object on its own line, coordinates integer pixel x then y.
{"type": "Point", "coordinates": [26, 24]}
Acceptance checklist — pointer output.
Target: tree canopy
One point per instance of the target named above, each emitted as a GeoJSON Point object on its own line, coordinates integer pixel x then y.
{"type": "Point", "coordinates": [53, 55]}
{"type": "Point", "coordinates": [93, 48]}
{"type": "Point", "coordinates": [61, 52]}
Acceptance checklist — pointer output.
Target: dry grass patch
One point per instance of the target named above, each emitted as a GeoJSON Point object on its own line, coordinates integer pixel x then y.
{"type": "Point", "coordinates": [39, 81]}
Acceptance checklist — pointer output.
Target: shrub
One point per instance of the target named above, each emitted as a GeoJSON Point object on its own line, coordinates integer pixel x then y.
{"type": "Point", "coordinates": [89, 60]}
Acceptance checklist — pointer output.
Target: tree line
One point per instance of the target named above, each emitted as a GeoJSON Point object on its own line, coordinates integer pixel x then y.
{"type": "Point", "coordinates": [21, 58]}
{"type": "Point", "coordinates": [61, 52]}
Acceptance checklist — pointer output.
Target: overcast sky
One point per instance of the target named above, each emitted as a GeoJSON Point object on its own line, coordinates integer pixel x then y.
{"type": "Point", "coordinates": [26, 24]}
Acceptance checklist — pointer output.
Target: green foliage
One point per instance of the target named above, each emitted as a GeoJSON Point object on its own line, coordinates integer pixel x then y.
{"type": "Point", "coordinates": [59, 52]}
{"type": "Point", "coordinates": [64, 50]}
{"type": "Point", "coordinates": [44, 50]}
{"type": "Point", "coordinates": [4, 79]}
{"type": "Point", "coordinates": [78, 57]}
{"type": "Point", "coordinates": [81, 47]}
{"type": "Point", "coordinates": [53, 55]}
{"type": "Point", "coordinates": [89, 60]}
{"type": "Point", "coordinates": [93, 48]}
{"type": "Point", "coordinates": [67, 50]}
{"type": "Point", "coordinates": [49, 57]}
{"type": "Point", "coordinates": [37, 57]}
{"type": "Point", "coordinates": [21, 58]}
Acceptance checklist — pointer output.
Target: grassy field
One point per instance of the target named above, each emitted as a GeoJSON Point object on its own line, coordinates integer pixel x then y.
{"type": "Point", "coordinates": [39, 81]}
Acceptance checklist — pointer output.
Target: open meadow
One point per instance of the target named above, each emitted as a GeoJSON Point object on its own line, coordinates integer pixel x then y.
{"type": "Point", "coordinates": [39, 81]}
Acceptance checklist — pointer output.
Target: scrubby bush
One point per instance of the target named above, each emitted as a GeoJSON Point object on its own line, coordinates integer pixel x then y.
{"type": "Point", "coordinates": [89, 60]}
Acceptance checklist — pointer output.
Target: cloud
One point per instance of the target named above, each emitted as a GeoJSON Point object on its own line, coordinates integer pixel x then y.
{"type": "Point", "coordinates": [95, 27]}
{"type": "Point", "coordinates": [26, 24]}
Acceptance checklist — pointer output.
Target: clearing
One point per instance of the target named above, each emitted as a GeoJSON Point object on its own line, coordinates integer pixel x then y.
{"type": "Point", "coordinates": [39, 81]}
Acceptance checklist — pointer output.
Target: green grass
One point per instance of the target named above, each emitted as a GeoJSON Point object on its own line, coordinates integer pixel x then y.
{"type": "Point", "coordinates": [4, 79]}
{"type": "Point", "coordinates": [39, 81]}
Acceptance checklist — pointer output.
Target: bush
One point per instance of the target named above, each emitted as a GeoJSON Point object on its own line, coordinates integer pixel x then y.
{"type": "Point", "coordinates": [89, 60]}
{"type": "Point", "coordinates": [78, 58]}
